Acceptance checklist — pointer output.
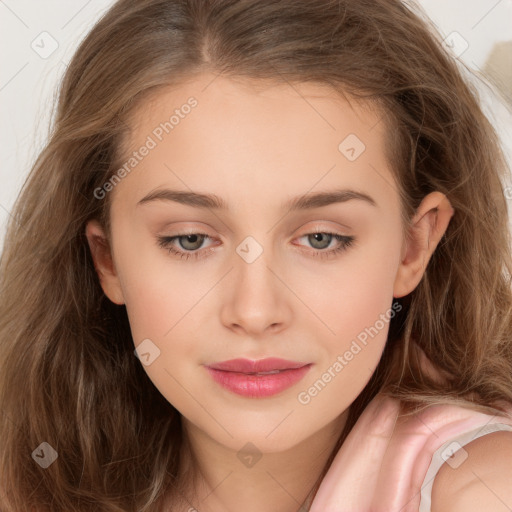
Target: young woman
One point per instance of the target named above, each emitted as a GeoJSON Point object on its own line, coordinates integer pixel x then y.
{"type": "Point", "coordinates": [263, 263]}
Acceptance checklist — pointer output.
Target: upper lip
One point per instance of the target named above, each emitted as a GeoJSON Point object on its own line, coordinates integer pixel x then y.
{"type": "Point", "coordinates": [261, 365]}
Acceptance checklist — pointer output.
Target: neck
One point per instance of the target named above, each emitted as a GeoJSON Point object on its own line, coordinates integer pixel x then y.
{"type": "Point", "coordinates": [214, 479]}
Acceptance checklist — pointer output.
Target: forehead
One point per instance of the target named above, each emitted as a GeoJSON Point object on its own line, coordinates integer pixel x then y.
{"type": "Point", "coordinates": [261, 139]}
{"type": "Point", "coordinates": [316, 104]}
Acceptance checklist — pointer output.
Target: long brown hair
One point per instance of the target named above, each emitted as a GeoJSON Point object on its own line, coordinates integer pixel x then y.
{"type": "Point", "coordinates": [68, 374]}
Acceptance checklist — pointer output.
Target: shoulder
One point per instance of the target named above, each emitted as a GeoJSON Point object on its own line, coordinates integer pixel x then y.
{"type": "Point", "coordinates": [482, 480]}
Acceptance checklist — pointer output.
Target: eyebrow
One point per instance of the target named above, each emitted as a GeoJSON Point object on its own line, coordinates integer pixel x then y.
{"type": "Point", "coordinates": [303, 202]}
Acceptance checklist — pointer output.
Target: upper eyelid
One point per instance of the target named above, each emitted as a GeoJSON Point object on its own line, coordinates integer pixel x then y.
{"type": "Point", "coordinates": [315, 229]}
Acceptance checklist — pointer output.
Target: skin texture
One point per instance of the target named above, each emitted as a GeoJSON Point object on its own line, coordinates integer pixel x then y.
{"type": "Point", "coordinates": [256, 147]}
{"type": "Point", "coordinates": [482, 482]}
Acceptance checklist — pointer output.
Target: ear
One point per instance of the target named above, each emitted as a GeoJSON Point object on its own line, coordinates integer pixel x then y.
{"type": "Point", "coordinates": [103, 262]}
{"type": "Point", "coordinates": [427, 228]}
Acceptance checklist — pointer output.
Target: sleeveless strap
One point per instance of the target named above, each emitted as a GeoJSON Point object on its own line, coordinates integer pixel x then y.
{"type": "Point", "coordinates": [449, 450]}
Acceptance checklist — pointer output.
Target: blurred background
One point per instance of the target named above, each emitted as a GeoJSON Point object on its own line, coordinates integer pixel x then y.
{"type": "Point", "coordinates": [37, 40]}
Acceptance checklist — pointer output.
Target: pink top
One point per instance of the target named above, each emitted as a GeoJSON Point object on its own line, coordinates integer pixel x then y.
{"type": "Point", "coordinates": [422, 443]}
{"type": "Point", "coordinates": [418, 447]}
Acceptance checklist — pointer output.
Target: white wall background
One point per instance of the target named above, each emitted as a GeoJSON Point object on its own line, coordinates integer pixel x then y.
{"type": "Point", "coordinates": [38, 38]}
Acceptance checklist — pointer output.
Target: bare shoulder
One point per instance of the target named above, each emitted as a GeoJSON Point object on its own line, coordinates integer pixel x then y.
{"type": "Point", "coordinates": [482, 481]}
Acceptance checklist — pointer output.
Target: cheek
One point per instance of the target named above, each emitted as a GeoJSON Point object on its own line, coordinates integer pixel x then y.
{"type": "Point", "coordinates": [149, 308]}
{"type": "Point", "coordinates": [352, 294]}
{"type": "Point", "coordinates": [357, 309]}
{"type": "Point", "coordinates": [158, 321]}
{"type": "Point", "coordinates": [154, 298]}
{"type": "Point", "coordinates": [161, 302]}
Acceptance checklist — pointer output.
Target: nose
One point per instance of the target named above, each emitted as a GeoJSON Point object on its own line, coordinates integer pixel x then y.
{"type": "Point", "coordinates": [257, 298]}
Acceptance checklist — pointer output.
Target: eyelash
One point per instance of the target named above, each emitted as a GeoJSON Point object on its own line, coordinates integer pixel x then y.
{"type": "Point", "coordinates": [166, 243]}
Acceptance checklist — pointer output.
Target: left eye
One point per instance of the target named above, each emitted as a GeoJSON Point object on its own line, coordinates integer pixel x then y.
{"type": "Point", "coordinates": [192, 242]}
{"type": "Point", "coordinates": [189, 242]}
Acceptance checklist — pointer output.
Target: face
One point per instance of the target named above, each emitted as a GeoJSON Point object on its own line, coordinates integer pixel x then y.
{"type": "Point", "coordinates": [257, 278]}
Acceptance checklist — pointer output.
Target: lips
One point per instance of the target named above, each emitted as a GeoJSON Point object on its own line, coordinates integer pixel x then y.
{"type": "Point", "coordinates": [258, 379]}
{"type": "Point", "coordinates": [248, 366]}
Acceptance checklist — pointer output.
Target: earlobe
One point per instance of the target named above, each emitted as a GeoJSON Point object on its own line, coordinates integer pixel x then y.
{"type": "Point", "coordinates": [103, 262]}
{"type": "Point", "coordinates": [427, 228]}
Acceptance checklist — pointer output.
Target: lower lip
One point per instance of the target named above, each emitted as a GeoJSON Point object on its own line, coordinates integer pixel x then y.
{"type": "Point", "coordinates": [258, 386]}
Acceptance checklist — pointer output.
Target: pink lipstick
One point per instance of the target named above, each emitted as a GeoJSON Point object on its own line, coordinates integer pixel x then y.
{"type": "Point", "coordinates": [257, 379]}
